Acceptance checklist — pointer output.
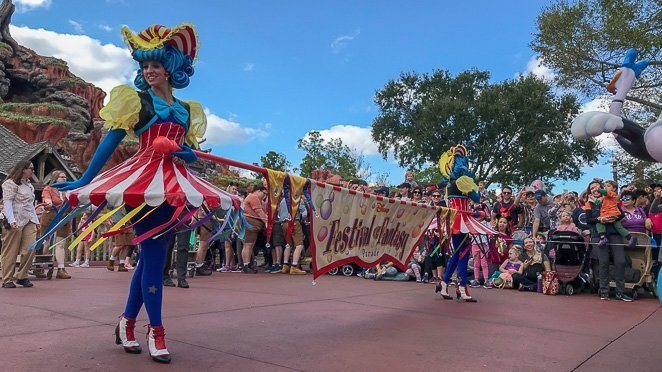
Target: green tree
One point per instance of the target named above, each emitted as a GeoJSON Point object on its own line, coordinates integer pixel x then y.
{"type": "Point", "coordinates": [631, 170]}
{"type": "Point", "coordinates": [277, 161]}
{"type": "Point", "coordinates": [430, 175]}
{"type": "Point", "coordinates": [331, 155]}
{"type": "Point", "coordinates": [584, 42]}
{"type": "Point", "coordinates": [515, 131]}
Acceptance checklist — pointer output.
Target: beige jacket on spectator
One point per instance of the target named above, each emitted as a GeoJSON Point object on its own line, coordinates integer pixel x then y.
{"type": "Point", "coordinates": [18, 201]}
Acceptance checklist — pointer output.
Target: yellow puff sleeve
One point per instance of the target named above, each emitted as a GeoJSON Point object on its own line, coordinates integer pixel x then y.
{"type": "Point", "coordinates": [122, 110]}
{"type": "Point", "coordinates": [198, 124]}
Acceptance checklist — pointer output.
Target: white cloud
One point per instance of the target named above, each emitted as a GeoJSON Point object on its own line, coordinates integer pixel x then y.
{"type": "Point", "coordinates": [598, 104]}
{"type": "Point", "coordinates": [105, 27]}
{"type": "Point", "coordinates": [104, 65]}
{"type": "Point", "coordinates": [27, 5]}
{"type": "Point", "coordinates": [248, 67]}
{"type": "Point", "coordinates": [357, 138]}
{"type": "Point", "coordinates": [535, 67]}
{"type": "Point", "coordinates": [222, 131]}
{"type": "Point", "coordinates": [77, 26]}
{"type": "Point", "coordinates": [341, 41]}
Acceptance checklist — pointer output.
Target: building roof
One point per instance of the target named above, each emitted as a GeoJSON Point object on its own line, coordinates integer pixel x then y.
{"type": "Point", "coordinates": [13, 149]}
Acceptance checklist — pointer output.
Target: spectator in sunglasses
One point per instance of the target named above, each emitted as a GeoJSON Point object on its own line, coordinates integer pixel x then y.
{"type": "Point", "coordinates": [417, 194]}
{"type": "Point", "coordinates": [435, 199]}
{"type": "Point", "coordinates": [507, 208]}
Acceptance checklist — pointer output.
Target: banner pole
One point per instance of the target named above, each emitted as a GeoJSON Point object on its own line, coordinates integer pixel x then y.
{"type": "Point", "coordinates": [234, 163]}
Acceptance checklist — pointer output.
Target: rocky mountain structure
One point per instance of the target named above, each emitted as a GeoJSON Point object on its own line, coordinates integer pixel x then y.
{"type": "Point", "coordinates": [41, 100]}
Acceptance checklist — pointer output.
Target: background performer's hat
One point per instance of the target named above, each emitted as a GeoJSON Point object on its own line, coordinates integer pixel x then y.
{"type": "Point", "coordinates": [459, 150]}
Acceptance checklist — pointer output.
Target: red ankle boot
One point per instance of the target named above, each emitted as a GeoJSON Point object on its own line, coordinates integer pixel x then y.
{"type": "Point", "coordinates": [442, 287]}
{"type": "Point", "coordinates": [463, 294]}
{"type": "Point", "coordinates": [156, 342]}
{"type": "Point", "coordinates": [125, 336]}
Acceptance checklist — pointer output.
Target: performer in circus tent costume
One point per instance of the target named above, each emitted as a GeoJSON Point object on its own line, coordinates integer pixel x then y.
{"type": "Point", "coordinates": [154, 186]}
{"type": "Point", "coordinates": [461, 186]}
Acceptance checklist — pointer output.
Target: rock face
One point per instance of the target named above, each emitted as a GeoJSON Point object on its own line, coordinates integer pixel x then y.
{"type": "Point", "coordinates": [41, 100]}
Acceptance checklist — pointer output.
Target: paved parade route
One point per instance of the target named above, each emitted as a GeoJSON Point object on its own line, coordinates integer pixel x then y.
{"type": "Point", "coordinates": [271, 322]}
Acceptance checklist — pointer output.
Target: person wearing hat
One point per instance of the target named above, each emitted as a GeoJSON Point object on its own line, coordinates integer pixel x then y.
{"type": "Point", "coordinates": [155, 179]}
{"type": "Point", "coordinates": [541, 215]}
{"type": "Point", "coordinates": [405, 189]}
{"type": "Point", "coordinates": [382, 191]}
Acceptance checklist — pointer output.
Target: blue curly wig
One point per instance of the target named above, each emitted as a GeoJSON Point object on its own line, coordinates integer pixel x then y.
{"type": "Point", "coordinates": [178, 65]}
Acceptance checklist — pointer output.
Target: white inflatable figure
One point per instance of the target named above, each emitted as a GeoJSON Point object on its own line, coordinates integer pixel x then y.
{"type": "Point", "coordinates": [640, 143]}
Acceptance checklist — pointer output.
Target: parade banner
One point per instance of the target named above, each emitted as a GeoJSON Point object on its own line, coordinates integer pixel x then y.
{"type": "Point", "coordinates": [349, 226]}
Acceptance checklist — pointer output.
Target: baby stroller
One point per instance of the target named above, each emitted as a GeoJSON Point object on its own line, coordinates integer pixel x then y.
{"type": "Point", "coordinates": [569, 253]}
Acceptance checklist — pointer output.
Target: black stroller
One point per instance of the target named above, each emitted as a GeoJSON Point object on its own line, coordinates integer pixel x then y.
{"type": "Point", "coordinates": [569, 254]}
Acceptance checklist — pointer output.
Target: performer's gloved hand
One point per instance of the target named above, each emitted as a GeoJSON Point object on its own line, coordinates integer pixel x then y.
{"type": "Point", "coordinates": [186, 154]}
{"type": "Point", "coordinates": [478, 214]}
{"type": "Point", "coordinates": [474, 195]}
{"type": "Point", "coordinates": [101, 156]}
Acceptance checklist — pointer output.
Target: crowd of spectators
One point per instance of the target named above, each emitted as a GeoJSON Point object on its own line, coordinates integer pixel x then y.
{"type": "Point", "coordinates": [608, 218]}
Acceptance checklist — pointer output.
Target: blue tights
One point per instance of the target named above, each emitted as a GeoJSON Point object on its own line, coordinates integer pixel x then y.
{"type": "Point", "coordinates": [459, 259]}
{"type": "Point", "coordinates": [147, 282]}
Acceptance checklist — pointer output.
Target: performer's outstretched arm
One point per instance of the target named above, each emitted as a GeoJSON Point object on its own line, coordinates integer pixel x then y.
{"type": "Point", "coordinates": [101, 156]}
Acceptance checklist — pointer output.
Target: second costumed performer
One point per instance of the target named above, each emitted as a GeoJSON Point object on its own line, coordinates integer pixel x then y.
{"type": "Point", "coordinates": [157, 183]}
{"type": "Point", "coordinates": [461, 187]}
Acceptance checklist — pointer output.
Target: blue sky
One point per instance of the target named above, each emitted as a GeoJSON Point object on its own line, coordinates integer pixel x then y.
{"type": "Point", "coordinates": [270, 71]}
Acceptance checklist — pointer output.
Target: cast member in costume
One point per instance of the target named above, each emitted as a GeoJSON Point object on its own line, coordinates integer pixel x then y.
{"type": "Point", "coordinates": [460, 187]}
{"type": "Point", "coordinates": [154, 186]}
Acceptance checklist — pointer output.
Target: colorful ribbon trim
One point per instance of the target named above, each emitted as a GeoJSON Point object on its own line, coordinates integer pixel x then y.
{"type": "Point", "coordinates": [93, 226]}
{"type": "Point", "coordinates": [55, 225]}
{"type": "Point", "coordinates": [187, 217]}
{"type": "Point", "coordinates": [220, 230]}
{"type": "Point", "coordinates": [109, 234]}
{"type": "Point", "coordinates": [158, 229]}
{"type": "Point", "coordinates": [118, 225]}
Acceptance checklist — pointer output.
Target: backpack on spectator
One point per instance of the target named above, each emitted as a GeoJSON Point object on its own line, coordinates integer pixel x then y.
{"type": "Point", "coordinates": [550, 283]}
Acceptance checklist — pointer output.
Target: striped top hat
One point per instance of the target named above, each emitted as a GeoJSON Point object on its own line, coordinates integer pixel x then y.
{"type": "Point", "coordinates": [182, 37]}
{"type": "Point", "coordinates": [459, 150]}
